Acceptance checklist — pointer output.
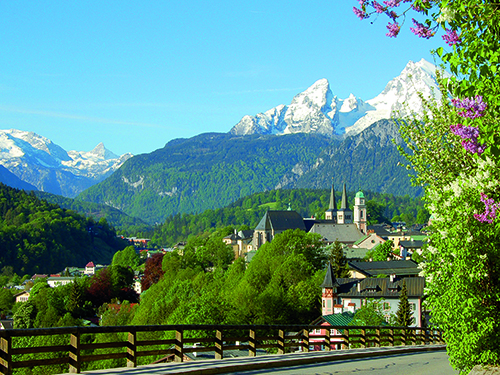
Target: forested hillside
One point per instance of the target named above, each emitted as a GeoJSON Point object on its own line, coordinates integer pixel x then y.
{"type": "Point", "coordinates": [40, 237]}
{"type": "Point", "coordinates": [308, 202]}
{"type": "Point", "coordinates": [207, 171]}
{"type": "Point", "coordinates": [212, 170]}
{"type": "Point", "coordinates": [122, 222]}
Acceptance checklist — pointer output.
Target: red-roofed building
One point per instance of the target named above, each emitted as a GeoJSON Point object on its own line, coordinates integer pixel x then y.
{"type": "Point", "coordinates": [89, 268]}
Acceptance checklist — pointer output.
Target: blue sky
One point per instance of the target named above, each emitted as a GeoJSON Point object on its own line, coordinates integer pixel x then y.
{"type": "Point", "coordinates": [136, 74]}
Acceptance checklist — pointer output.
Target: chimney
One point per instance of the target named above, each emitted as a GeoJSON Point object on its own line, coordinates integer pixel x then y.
{"type": "Point", "coordinates": [392, 276]}
{"type": "Point", "coordinates": [359, 286]}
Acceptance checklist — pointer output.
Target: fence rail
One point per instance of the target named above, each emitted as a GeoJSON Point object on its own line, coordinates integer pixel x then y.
{"type": "Point", "coordinates": [280, 338]}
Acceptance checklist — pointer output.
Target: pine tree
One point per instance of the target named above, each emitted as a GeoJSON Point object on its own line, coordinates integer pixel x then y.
{"type": "Point", "coordinates": [338, 260]}
{"type": "Point", "coordinates": [404, 315]}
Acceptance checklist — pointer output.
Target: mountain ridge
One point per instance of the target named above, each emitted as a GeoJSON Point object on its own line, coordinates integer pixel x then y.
{"type": "Point", "coordinates": [319, 110]}
{"type": "Point", "coordinates": [38, 161]}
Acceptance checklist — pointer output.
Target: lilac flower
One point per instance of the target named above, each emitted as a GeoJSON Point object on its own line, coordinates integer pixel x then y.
{"type": "Point", "coordinates": [393, 29]}
{"type": "Point", "coordinates": [392, 3]}
{"type": "Point", "coordinates": [421, 30]}
{"type": "Point", "coordinates": [471, 107]}
{"type": "Point", "coordinates": [451, 37]}
{"type": "Point", "coordinates": [361, 14]}
{"type": "Point", "coordinates": [490, 212]}
{"type": "Point", "coordinates": [378, 7]}
{"type": "Point", "coordinates": [469, 135]}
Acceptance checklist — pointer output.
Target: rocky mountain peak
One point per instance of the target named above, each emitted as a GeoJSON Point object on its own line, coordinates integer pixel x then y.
{"type": "Point", "coordinates": [318, 110]}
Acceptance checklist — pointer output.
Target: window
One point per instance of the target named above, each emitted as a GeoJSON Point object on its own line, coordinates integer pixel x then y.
{"type": "Point", "coordinates": [329, 303]}
{"type": "Point", "coordinates": [413, 307]}
{"type": "Point", "coordinates": [387, 306]}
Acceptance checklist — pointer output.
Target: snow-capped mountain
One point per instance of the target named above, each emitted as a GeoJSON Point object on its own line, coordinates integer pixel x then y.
{"type": "Point", "coordinates": [318, 110]}
{"type": "Point", "coordinates": [40, 162]}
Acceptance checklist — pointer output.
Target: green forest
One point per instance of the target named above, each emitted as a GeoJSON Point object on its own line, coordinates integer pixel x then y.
{"type": "Point", "coordinates": [41, 237]}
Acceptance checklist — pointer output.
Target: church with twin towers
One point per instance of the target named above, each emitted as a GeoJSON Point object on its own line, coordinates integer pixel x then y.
{"type": "Point", "coordinates": [340, 224]}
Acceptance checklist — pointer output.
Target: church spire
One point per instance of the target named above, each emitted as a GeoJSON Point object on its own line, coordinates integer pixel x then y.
{"type": "Point", "coordinates": [344, 204]}
{"type": "Point", "coordinates": [333, 203]}
{"type": "Point", "coordinates": [331, 213]}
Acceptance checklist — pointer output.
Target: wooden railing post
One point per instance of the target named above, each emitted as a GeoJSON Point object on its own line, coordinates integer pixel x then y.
{"type": "Point", "coordinates": [6, 355]}
{"type": "Point", "coordinates": [305, 340]}
{"type": "Point", "coordinates": [377, 337]}
{"type": "Point", "coordinates": [281, 341]}
{"type": "Point", "coordinates": [391, 337]}
{"type": "Point", "coordinates": [426, 337]}
{"type": "Point", "coordinates": [413, 337]}
{"type": "Point", "coordinates": [74, 353]}
{"type": "Point", "coordinates": [403, 336]}
{"type": "Point", "coordinates": [328, 340]}
{"type": "Point", "coordinates": [363, 338]}
{"type": "Point", "coordinates": [219, 350]}
{"type": "Point", "coordinates": [179, 346]}
{"type": "Point", "coordinates": [252, 343]}
{"type": "Point", "coordinates": [132, 349]}
{"type": "Point", "coordinates": [345, 341]}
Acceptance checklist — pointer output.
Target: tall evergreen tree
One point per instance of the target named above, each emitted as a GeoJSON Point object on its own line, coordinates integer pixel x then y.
{"type": "Point", "coordinates": [404, 315]}
{"type": "Point", "coordinates": [338, 260]}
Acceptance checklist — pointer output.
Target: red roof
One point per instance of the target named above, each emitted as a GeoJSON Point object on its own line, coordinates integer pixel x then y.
{"type": "Point", "coordinates": [90, 264]}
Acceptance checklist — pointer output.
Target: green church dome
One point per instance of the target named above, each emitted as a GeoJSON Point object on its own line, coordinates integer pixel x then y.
{"type": "Point", "coordinates": [359, 194]}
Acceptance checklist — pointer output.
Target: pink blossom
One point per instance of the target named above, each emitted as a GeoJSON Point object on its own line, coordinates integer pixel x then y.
{"type": "Point", "coordinates": [421, 30]}
{"type": "Point", "coordinates": [361, 14]}
{"type": "Point", "coordinates": [393, 29]}
{"type": "Point", "coordinates": [451, 37]}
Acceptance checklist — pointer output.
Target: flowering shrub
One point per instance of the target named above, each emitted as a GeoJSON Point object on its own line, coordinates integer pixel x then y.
{"type": "Point", "coordinates": [456, 157]}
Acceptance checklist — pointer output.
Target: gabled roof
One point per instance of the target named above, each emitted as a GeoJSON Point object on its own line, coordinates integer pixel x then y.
{"type": "Point", "coordinates": [379, 230]}
{"type": "Point", "coordinates": [380, 287]}
{"type": "Point", "coordinates": [411, 244]}
{"type": "Point", "coordinates": [281, 221]}
{"type": "Point", "coordinates": [392, 267]}
{"type": "Point", "coordinates": [90, 264]}
{"type": "Point", "coordinates": [342, 319]}
{"type": "Point", "coordinates": [355, 253]}
{"type": "Point", "coordinates": [361, 239]}
{"type": "Point", "coordinates": [345, 233]}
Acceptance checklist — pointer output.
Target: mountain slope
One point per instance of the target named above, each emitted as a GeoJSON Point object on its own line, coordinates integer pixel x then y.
{"type": "Point", "coordinates": [40, 237]}
{"type": "Point", "coordinates": [38, 161]}
{"type": "Point", "coordinates": [367, 161]}
{"type": "Point", "coordinates": [212, 170]}
{"type": "Point", "coordinates": [206, 171]}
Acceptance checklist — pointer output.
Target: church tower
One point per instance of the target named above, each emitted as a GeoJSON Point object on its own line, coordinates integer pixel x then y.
{"type": "Point", "coordinates": [331, 213]}
{"type": "Point", "coordinates": [360, 211]}
{"type": "Point", "coordinates": [344, 214]}
{"type": "Point", "coordinates": [329, 296]}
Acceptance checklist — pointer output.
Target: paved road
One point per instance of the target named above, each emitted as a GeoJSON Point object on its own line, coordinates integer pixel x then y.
{"type": "Point", "coordinates": [435, 363]}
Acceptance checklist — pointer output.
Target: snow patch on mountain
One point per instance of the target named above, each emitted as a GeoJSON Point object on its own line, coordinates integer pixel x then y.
{"type": "Point", "coordinates": [318, 110]}
{"type": "Point", "coordinates": [37, 160]}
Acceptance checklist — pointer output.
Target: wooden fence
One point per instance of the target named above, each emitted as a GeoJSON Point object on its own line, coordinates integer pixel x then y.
{"type": "Point", "coordinates": [217, 338]}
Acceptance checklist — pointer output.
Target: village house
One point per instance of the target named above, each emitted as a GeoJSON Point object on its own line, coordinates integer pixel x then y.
{"type": "Point", "coordinates": [55, 281]}
{"type": "Point", "coordinates": [22, 297]}
{"type": "Point", "coordinates": [241, 242]}
{"type": "Point", "coordinates": [342, 297]}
